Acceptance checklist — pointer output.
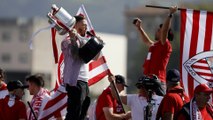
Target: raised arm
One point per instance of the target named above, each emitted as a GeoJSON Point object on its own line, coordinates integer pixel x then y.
{"type": "Point", "coordinates": [167, 24]}
{"type": "Point", "coordinates": [145, 38]}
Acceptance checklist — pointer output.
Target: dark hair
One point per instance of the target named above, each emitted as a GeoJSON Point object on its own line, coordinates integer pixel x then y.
{"type": "Point", "coordinates": [1, 74]}
{"type": "Point", "coordinates": [170, 35]}
{"type": "Point", "coordinates": [37, 79]}
{"type": "Point", "coordinates": [79, 18]}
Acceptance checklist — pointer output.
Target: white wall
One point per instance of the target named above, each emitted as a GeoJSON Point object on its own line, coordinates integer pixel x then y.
{"type": "Point", "coordinates": [115, 52]}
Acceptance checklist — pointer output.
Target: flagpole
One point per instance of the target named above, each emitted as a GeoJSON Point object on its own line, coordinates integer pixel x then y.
{"type": "Point", "coordinates": [118, 96]}
{"type": "Point", "coordinates": [162, 7]}
{"type": "Point", "coordinates": [31, 109]}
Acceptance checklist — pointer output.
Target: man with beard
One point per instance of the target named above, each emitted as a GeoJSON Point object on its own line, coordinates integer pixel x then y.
{"type": "Point", "coordinates": [76, 71]}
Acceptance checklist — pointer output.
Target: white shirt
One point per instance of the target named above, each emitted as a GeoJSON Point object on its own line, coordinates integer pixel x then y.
{"type": "Point", "coordinates": [138, 104]}
{"type": "Point", "coordinates": [3, 93]}
{"type": "Point", "coordinates": [84, 73]}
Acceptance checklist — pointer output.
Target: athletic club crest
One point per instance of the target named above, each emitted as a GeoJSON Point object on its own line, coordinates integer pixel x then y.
{"type": "Point", "coordinates": [200, 67]}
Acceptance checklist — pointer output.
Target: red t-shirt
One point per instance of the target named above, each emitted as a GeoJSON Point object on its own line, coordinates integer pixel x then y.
{"type": "Point", "coordinates": [157, 60]}
{"type": "Point", "coordinates": [205, 114]}
{"type": "Point", "coordinates": [106, 100]}
{"type": "Point", "coordinates": [17, 111]}
{"type": "Point", "coordinates": [172, 101]}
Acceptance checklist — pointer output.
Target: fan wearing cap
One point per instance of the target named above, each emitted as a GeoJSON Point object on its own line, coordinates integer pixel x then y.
{"type": "Point", "coordinates": [3, 85]}
{"type": "Point", "coordinates": [199, 107]}
{"type": "Point", "coordinates": [11, 107]}
{"type": "Point", "coordinates": [138, 102]}
{"type": "Point", "coordinates": [174, 99]}
{"type": "Point", "coordinates": [107, 107]}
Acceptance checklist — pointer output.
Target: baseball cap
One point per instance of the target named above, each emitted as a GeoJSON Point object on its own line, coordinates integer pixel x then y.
{"type": "Point", "coordinates": [120, 80]}
{"type": "Point", "coordinates": [203, 88]}
{"type": "Point", "coordinates": [12, 85]}
{"type": "Point", "coordinates": [173, 75]}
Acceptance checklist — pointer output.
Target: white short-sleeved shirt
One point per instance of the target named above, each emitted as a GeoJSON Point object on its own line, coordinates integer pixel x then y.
{"type": "Point", "coordinates": [138, 104]}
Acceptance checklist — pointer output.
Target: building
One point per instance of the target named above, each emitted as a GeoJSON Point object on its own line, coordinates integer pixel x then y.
{"type": "Point", "coordinates": [18, 60]}
{"type": "Point", "coordinates": [15, 56]}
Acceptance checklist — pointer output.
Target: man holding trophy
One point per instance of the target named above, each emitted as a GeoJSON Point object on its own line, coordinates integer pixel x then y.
{"type": "Point", "coordinates": [76, 73]}
{"type": "Point", "coordinates": [78, 49]}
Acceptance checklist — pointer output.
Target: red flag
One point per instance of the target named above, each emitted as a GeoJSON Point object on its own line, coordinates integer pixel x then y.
{"type": "Point", "coordinates": [196, 48]}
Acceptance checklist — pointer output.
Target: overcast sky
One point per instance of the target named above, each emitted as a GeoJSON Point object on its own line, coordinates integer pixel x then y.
{"type": "Point", "coordinates": [106, 15]}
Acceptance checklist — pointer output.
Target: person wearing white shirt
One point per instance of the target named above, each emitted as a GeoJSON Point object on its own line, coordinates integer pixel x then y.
{"type": "Point", "coordinates": [139, 102]}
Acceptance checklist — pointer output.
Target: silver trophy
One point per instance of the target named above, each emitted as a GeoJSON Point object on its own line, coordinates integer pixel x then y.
{"type": "Point", "coordinates": [61, 19]}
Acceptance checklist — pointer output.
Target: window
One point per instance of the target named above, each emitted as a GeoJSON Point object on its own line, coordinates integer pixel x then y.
{"type": "Point", "coordinates": [6, 36]}
{"type": "Point", "coordinates": [23, 58]}
{"type": "Point", "coordinates": [23, 34]}
{"type": "Point", "coordinates": [6, 58]}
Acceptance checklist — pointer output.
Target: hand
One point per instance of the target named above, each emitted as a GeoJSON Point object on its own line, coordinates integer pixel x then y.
{"type": "Point", "coordinates": [173, 9]}
{"type": "Point", "coordinates": [100, 40]}
{"type": "Point", "coordinates": [128, 115]}
{"type": "Point", "coordinates": [111, 78]}
{"type": "Point", "coordinates": [72, 33]}
{"type": "Point", "coordinates": [137, 22]}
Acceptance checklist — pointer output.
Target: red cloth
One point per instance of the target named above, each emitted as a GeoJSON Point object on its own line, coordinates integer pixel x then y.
{"type": "Point", "coordinates": [3, 87]}
{"type": "Point", "coordinates": [172, 101]}
{"type": "Point", "coordinates": [106, 100]}
{"type": "Point", "coordinates": [157, 62]}
{"type": "Point", "coordinates": [16, 112]}
{"type": "Point", "coordinates": [205, 114]}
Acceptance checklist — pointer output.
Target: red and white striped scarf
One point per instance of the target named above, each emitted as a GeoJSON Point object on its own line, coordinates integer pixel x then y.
{"type": "Point", "coordinates": [195, 113]}
{"type": "Point", "coordinates": [36, 103]}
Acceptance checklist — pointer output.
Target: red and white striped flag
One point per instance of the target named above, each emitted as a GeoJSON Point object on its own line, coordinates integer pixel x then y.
{"type": "Point", "coordinates": [97, 70]}
{"type": "Point", "coordinates": [196, 48]}
{"type": "Point", "coordinates": [55, 105]}
{"type": "Point", "coordinates": [203, 69]}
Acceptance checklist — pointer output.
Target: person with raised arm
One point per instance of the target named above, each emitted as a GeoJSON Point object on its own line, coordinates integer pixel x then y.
{"type": "Point", "coordinates": [159, 50]}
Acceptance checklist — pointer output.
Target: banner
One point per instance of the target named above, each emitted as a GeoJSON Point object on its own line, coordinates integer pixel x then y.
{"type": "Point", "coordinates": [196, 49]}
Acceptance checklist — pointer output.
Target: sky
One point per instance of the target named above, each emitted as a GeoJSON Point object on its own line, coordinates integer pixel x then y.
{"type": "Point", "coordinates": [106, 15]}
